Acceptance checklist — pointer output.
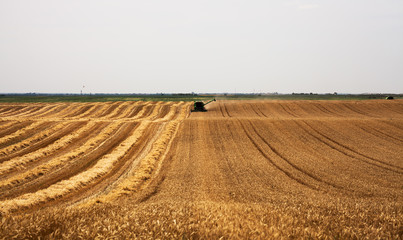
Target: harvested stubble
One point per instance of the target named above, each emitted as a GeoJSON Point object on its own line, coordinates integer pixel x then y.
{"type": "Point", "coordinates": [147, 166]}
{"type": "Point", "coordinates": [19, 162]}
{"type": "Point", "coordinates": [244, 169]}
{"type": "Point", "coordinates": [54, 163]}
{"type": "Point", "coordinates": [60, 189]}
{"type": "Point", "coordinates": [19, 132]}
{"type": "Point", "coordinates": [6, 124]}
{"type": "Point", "coordinates": [29, 141]}
{"type": "Point", "coordinates": [82, 179]}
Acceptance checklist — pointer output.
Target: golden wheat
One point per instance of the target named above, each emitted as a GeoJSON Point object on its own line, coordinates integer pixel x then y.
{"type": "Point", "coordinates": [19, 162]}
{"type": "Point", "coordinates": [242, 170]}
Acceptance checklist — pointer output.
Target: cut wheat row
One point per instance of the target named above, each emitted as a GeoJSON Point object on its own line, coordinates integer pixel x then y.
{"type": "Point", "coordinates": [105, 113]}
{"type": "Point", "coordinates": [29, 113]}
{"type": "Point", "coordinates": [62, 107]}
{"type": "Point", "coordinates": [74, 110]}
{"type": "Point", "coordinates": [13, 110]}
{"type": "Point", "coordinates": [60, 189]}
{"type": "Point", "coordinates": [137, 112]}
{"type": "Point", "coordinates": [110, 111]}
{"type": "Point", "coordinates": [43, 108]}
{"type": "Point", "coordinates": [16, 126]}
{"type": "Point", "coordinates": [153, 112]}
{"type": "Point", "coordinates": [55, 163]}
{"type": "Point", "coordinates": [85, 112]}
{"type": "Point", "coordinates": [59, 111]}
{"type": "Point", "coordinates": [7, 124]}
{"type": "Point", "coordinates": [155, 144]}
{"type": "Point", "coordinates": [98, 111]}
{"type": "Point", "coordinates": [81, 109]}
{"type": "Point", "coordinates": [133, 107]}
{"type": "Point", "coordinates": [118, 110]}
{"type": "Point", "coordinates": [19, 111]}
{"type": "Point", "coordinates": [35, 138]}
{"type": "Point", "coordinates": [148, 166]}
{"type": "Point", "coordinates": [174, 111]}
{"type": "Point", "coordinates": [76, 166]}
{"type": "Point", "coordinates": [131, 160]}
{"type": "Point", "coordinates": [75, 113]}
{"type": "Point", "coordinates": [5, 108]}
{"type": "Point", "coordinates": [19, 132]}
{"type": "Point", "coordinates": [20, 162]}
{"type": "Point", "coordinates": [25, 131]}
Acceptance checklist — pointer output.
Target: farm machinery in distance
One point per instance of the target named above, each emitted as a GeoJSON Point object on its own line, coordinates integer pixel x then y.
{"type": "Point", "coordinates": [199, 106]}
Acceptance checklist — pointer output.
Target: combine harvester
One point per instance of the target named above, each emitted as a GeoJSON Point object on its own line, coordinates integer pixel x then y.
{"type": "Point", "coordinates": [199, 106]}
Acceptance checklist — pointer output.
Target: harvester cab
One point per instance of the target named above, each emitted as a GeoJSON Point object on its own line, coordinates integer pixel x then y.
{"type": "Point", "coordinates": [199, 106]}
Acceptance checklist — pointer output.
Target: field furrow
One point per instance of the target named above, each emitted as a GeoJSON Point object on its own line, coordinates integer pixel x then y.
{"type": "Point", "coordinates": [272, 162]}
{"type": "Point", "coordinates": [221, 110]}
{"type": "Point", "coordinates": [251, 106]}
{"type": "Point", "coordinates": [336, 147]}
{"type": "Point", "coordinates": [244, 169]}
{"type": "Point", "coordinates": [349, 150]}
{"type": "Point", "coordinates": [290, 162]}
{"type": "Point", "coordinates": [383, 134]}
{"type": "Point", "coordinates": [259, 108]}
{"type": "Point", "coordinates": [286, 109]}
{"type": "Point", "coordinates": [392, 107]}
{"type": "Point", "coordinates": [385, 141]}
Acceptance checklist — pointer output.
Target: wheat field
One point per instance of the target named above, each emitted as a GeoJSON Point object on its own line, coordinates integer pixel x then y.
{"type": "Point", "coordinates": [251, 169]}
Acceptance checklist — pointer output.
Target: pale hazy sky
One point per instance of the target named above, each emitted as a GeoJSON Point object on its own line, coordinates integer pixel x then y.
{"type": "Point", "coordinates": [350, 46]}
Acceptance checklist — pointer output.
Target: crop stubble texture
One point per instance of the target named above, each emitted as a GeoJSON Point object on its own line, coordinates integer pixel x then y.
{"type": "Point", "coordinates": [249, 169]}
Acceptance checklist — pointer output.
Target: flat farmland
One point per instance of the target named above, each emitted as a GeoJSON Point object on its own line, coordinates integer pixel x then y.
{"type": "Point", "coordinates": [244, 169]}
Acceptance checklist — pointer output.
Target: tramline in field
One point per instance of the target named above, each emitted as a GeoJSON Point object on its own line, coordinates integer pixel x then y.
{"type": "Point", "coordinates": [249, 169]}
